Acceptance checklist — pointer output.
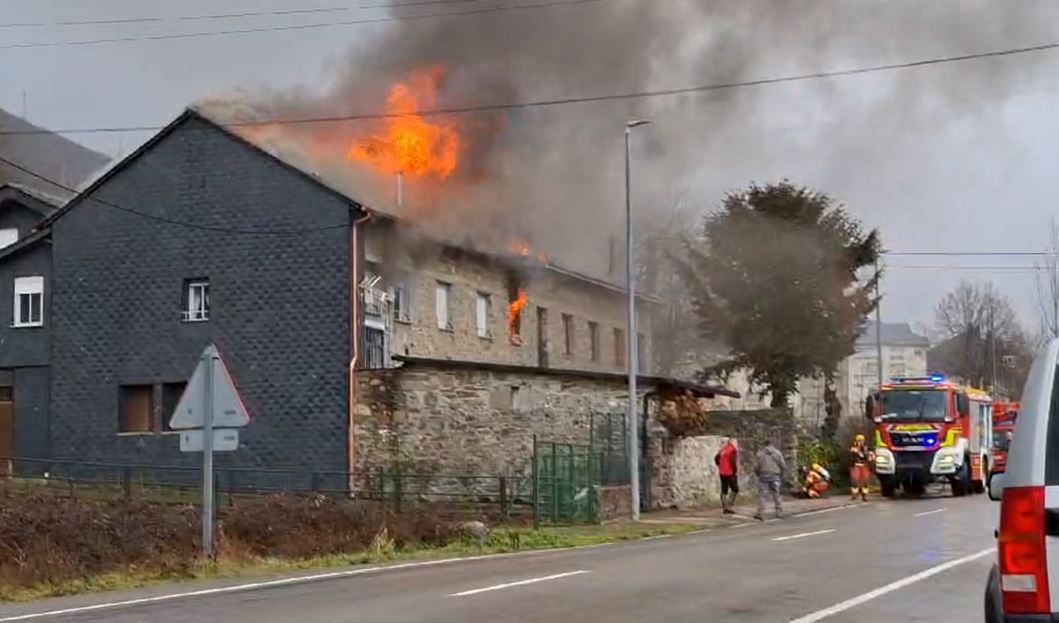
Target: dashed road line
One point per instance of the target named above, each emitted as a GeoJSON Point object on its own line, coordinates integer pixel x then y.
{"type": "Point", "coordinates": [803, 535]}
{"type": "Point", "coordinates": [497, 587]}
{"type": "Point", "coordinates": [853, 602]}
{"type": "Point", "coordinates": [933, 512]}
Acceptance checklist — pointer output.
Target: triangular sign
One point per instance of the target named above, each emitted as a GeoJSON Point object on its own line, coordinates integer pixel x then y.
{"type": "Point", "coordinates": [228, 408]}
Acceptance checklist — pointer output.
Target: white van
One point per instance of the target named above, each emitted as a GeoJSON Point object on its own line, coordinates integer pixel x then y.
{"type": "Point", "coordinates": [1023, 586]}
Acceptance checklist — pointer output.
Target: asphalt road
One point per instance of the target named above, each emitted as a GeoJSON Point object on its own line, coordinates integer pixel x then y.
{"type": "Point", "coordinates": [904, 560]}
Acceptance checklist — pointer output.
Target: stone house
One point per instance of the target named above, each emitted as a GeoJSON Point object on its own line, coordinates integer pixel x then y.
{"type": "Point", "coordinates": [317, 305]}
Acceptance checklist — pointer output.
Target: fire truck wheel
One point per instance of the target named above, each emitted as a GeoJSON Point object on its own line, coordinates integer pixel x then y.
{"type": "Point", "coordinates": [961, 483]}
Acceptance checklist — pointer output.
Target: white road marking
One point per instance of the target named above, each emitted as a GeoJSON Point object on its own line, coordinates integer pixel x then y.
{"type": "Point", "coordinates": [826, 510]}
{"type": "Point", "coordinates": [301, 579]}
{"type": "Point", "coordinates": [803, 535]}
{"type": "Point", "coordinates": [933, 512]}
{"type": "Point", "coordinates": [497, 587]}
{"type": "Point", "coordinates": [820, 615]}
{"type": "Point", "coordinates": [742, 525]}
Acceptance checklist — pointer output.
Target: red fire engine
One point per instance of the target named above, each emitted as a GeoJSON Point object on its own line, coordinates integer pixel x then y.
{"type": "Point", "coordinates": [1004, 416]}
{"type": "Point", "coordinates": [929, 429]}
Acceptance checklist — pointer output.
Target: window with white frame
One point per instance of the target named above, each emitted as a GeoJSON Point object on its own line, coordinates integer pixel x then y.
{"type": "Point", "coordinates": [8, 237]}
{"type": "Point", "coordinates": [29, 301]}
{"type": "Point", "coordinates": [196, 300]}
{"type": "Point", "coordinates": [442, 296]}
{"type": "Point", "coordinates": [484, 309]}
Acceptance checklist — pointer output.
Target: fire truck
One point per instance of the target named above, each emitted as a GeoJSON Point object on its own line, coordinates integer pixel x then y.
{"type": "Point", "coordinates": [1004, 416]}
{"type": "Point", "coordinates": [928, 429]}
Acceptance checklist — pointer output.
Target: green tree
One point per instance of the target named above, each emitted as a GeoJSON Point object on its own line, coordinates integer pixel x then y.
{"type": "Point", "coordinates": [773, 276]}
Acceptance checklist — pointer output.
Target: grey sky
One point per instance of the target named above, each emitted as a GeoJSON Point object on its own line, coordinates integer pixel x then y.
{"type": "Point", "coordinates": [950, 158]}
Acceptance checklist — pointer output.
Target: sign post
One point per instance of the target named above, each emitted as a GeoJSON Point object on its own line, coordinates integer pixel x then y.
{"type": "Point", "coordinates": [207, 416]}
{"type": "Point", "coordinates": [207, 457]}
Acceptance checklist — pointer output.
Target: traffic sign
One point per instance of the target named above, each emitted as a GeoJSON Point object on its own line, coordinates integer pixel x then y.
{"type": "Point", "coordinates": [224, 440]}
{"type": "Point", "coordinates": [228, 408]}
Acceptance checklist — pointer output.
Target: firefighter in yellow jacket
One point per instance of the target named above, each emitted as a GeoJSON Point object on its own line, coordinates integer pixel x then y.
{"type": "Point", "coordinates": [860, 472]}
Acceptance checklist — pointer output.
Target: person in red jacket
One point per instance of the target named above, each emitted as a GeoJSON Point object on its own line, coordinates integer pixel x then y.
{"type": "Point", "coordinates": [727, 460]}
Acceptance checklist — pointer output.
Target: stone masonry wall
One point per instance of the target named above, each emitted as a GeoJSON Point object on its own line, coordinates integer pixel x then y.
{"type": "Point", "coordinates": [683, 473]}
{"type": "Point", "coordinates": [422, 266]}
{"type": "Point", "coordinates": [438, 420]}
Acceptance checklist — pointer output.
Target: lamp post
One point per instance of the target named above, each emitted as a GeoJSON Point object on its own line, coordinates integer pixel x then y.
{"type": "Point", "coordinates": [632, 357]}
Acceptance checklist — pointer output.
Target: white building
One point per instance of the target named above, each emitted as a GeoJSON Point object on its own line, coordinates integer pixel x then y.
{"type": "Point", "coordinates": [904, 353]}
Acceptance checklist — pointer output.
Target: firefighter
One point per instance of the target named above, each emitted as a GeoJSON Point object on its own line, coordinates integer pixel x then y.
{"type": "Point", "coordinates": [860, 472]}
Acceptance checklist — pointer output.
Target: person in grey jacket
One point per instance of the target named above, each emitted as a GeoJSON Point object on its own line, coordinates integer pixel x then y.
{"type": "Point", "coordinates": [770, 469]}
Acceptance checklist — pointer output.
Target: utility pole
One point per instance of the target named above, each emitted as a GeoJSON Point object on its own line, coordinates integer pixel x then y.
{"type": "Point", "coordinates": [207, 459]}
{"type": "Point", "coordinates": [632, 359]}
{"type": "Point", "coordinates": [878, 320]}
{"type": "Point", "coordinates": [992, 351]}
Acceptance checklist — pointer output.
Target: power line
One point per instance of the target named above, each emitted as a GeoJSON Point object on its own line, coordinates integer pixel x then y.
{"type": "Point", "coordinates": [968, 253]}
{"type": "Point", "coordinates": [220, 16]}
{"type": "Point", "coordinates": [459, 110]}
{"type": "Point", "coordinates": [247, 31]}
{"type": "Point", "coordinates": [169, 221]}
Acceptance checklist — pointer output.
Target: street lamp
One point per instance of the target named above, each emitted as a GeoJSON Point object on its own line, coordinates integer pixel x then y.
{"type": "Point", "coordinates": [631, 358]}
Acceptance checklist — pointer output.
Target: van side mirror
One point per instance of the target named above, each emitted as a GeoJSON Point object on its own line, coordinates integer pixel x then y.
{"type": "Point", "coordinates": [869, 407]}
{"type": "Point", "coordinates": [996, 487]}
{"type": "Point", "coordinates": [963, 406]}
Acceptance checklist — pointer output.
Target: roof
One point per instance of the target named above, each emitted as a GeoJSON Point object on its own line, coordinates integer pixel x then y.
{"type": "Point", "coordinates": [184, 117]}
{"type": "Point", "coordinates": [893, 334]}
{"type": "Point", "coordinates": [41, 203]}
{"type": "Point", "coordinates": [25, 243]}
{"type": "Point", "coordinates": [51, 155]}
{"type": "Point", "coordinates": [657, 382]}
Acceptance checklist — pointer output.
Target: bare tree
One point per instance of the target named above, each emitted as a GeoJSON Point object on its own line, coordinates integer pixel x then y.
{"type": "Point", "coordinates": [1047, 279]}
{"type": "Point", "coordinates": [982, 332]}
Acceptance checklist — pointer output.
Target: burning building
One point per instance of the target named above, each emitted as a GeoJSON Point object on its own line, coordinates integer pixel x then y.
{"type": "Point", "coordinates": [345, 326]}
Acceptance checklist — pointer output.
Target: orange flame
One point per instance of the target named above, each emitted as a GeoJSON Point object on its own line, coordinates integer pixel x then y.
{"type": "Point", "coordinates": [410, 144]}
{"type": "Point", "coordinates": [523, 248]}
{"type": "Point", "coordinates": [514, 312]}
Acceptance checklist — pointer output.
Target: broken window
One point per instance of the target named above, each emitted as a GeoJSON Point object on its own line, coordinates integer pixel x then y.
{"type": "Point", "coordinates": [402, 300]}
{"type": "Point", "coordinates": [593, 340]}
{"type": "Point", "coordinates": [619, 347]}
{"type": "Point", "coordinates": [374, 348]}
{"type": "Point", "coordinates": [641, 352]}
{"type": "Point", "coordinates": [568, 335]}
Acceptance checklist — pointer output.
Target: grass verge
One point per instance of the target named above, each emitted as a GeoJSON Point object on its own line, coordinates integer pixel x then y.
{"type": "Point", "coordinates": [382, 550]}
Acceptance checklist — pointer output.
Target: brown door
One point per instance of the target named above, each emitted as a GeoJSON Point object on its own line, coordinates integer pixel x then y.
{"type": "Point", "coordinates": [542, 337]}
{"type": "Point", "coordinates": [7, 429]}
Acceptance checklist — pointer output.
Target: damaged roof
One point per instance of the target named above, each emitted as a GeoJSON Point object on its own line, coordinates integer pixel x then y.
{"type": "Point", "coordinates": [645, 380]}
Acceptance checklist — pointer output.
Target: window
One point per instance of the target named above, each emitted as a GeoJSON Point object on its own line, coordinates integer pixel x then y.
{"type": "Point", "coordinates": [568, 335]}
{"type": "Point", "coordinates": [171, 393]}
{"type": "Point", "coordinates": [484, 314]}
{"type": "Point", "coordinates": [402, 301]}
{"type": "Point", "coordinates": [196, 300]}
{"type": "Point", "coordinates": [374, 348]}
{"type": "Point", "coordinates": [441, 304]}
{"type": "Point", "coordinates": [593, 340]}
{"type": "Point", "coordinates": [8, 237]}
{"type": "Point", "coordinates": [619, 347]}
{"type": "Point", "coordinates": [29, 301]}
{"type": "Point", "coordinates": [136, 411]}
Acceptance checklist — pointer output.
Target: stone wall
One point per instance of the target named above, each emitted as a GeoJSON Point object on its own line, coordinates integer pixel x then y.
{"type": "Point", "coordinates": [437, 418]}
{"type": "Point", "coordinates": [683, 473]}
{"type": "Point", "coordinates": [552, 295]}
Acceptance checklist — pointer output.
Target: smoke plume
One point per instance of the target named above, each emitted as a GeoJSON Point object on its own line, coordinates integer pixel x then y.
{"type": "Point", "coordinates": [554, 175]}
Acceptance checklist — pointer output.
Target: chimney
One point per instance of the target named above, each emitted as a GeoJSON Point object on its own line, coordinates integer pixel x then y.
{"type": "Point", "coordinates": [400, 190]}
{"type": "Point", "coordinates": [614, 260]}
